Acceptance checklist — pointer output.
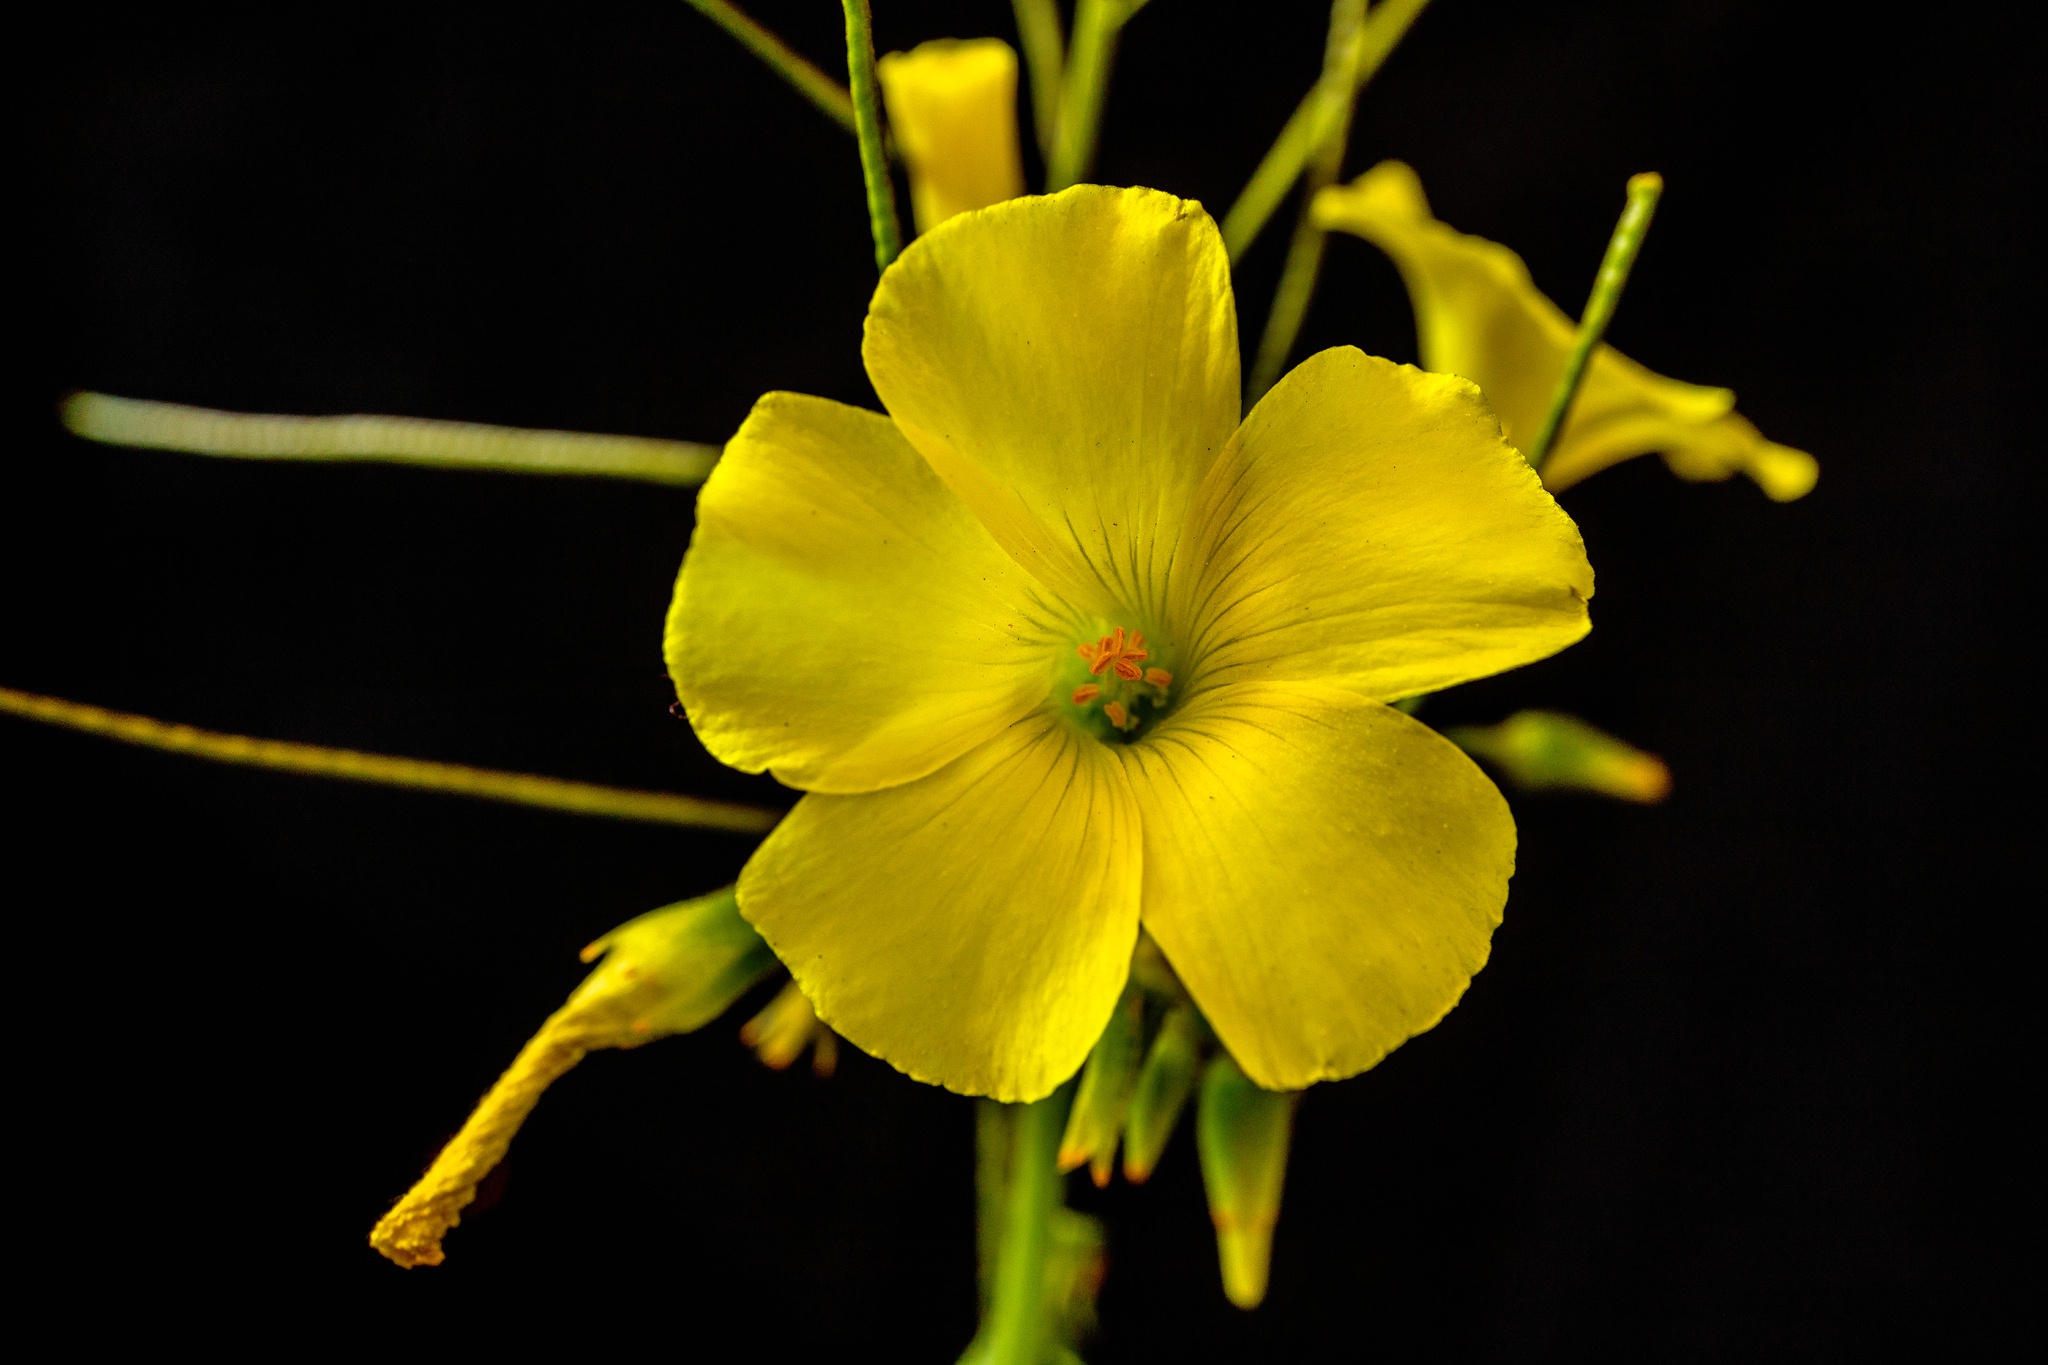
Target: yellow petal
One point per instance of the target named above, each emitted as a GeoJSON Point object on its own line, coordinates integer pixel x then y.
{"type": "Point", "coordinates": [1324, 873]}
{"type": "Point", "coordinates": [953, 109]}
{"type": "Point", "coordinates": [1478, 314]}
{"type": "Point", "coordinates": [1369, 529]}
{"type": "Point", "coordinates": [1068, 364]}
{"type": "Point", "coordinates": [841, 618]}
{"type": "Point", "coordinates": [973, 929]}
{"type": "Point", "coordinates": [1733, 445]}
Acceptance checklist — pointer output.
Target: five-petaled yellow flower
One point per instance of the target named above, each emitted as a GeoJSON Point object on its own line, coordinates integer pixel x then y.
{"type": "Point", "coordinates": [1059, 648]}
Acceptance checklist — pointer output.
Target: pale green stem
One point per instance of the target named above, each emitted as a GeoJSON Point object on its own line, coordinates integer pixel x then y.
{"type": "Point", "coordinates": [1311, 124]}
{"type": "Point", "coordinates": [813, 84]}
{"type": "Point", "coordinates": [395, 440]}
{"type": "Point", "coordinates": [1643, 192]}
{"type": "Point", "coordinates": [1305, 251]}
{"type": "Point", "coordinates": [524, 789]}
{"type": "Point", "coordinates": [1089, 59]}
{"type": "Point", "coordinates": [1017, 1318]}
{"type": "Point", "coordinates": [1038, 30]}
{"type": "Point", "coordinates": [867, 121]}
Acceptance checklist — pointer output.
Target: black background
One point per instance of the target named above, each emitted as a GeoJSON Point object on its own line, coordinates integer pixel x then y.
{"type": "Point", "coordinates": [1735, 1080]}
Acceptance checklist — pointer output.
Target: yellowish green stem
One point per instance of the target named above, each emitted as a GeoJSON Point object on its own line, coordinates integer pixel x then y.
{"type": "Point", "coordinates": [1643, 193]}
{"type": "Point", "coordinates": [490, 784]}
{"type": "Point", "coordinates": [1313, 121]}
{"type": "Point", "coordinates": [814, 85]}
{"type": "Point", "coordinates": [867, 126]}
{"type": "Point", "coordinates": [1017, 1324]}
{"type": "Point", "coordinates": [1038, 30]}
{"type": "Point", "coordinates": [1089, 59]}
{"type": "Point", "coordinates": [1305, 251]}
{"type": "Point", "coordinates": [395, 440]}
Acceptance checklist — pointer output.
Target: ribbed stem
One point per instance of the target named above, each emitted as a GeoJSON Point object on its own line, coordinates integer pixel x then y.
{"type": "Point", "coordinates": [867, 126]}
{"type": "Point", "coordinates": [1017, 1317]}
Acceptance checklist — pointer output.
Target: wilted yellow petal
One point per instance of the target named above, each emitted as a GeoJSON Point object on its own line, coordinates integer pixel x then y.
{"type": "Point", "coordinates": [973, 928]}
{"type": "Point", "coordinates": [1068, 365]}
{"type": "Point", "coordinates": [1324, 873]}
{"type": "Point", "coordinates": [841, 618]}
{"type": "Point", "coordinates": [1369, 529]}
{"type": "Point", "coordinates": [953, 109]}
{"type": "Point", "coordinates": [1478, 314]}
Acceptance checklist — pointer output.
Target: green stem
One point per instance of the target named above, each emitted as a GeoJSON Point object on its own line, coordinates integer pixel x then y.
{"type": "Point", "coordinates": [1017, 1317]}
{"type": "Point", "coordinates": [1038, 31]}
{"type": "Point", "coordinates": [867, 126]}
{"type": "Point", "coordinates": [1314, 119]}
{"type": "Point", "coordinates": [1305, 251]}
{"type": "Point", "coordinates": [813, 84]}
{"type": "Point", "coordinates": [1643, 192]}
{"type": "Point", "coordinates": [1096, 25]}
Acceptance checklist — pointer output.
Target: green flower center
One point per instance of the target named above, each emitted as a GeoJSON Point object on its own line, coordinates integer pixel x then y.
{"type": "Point", "coordinates": [1120, 689]}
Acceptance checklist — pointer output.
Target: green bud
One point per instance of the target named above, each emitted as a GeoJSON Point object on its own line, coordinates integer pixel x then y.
{"type": "Point", "coordinates": [1536, 750]}
{"type": "Point", "coordinates": [674, 969]}
{"type": "Point", "coordinates": [1097, 1119]}
{"type": "Point", "coordinates": [1162, 1091]}
{"type": "Point", "coordinates": [1242, 1134]}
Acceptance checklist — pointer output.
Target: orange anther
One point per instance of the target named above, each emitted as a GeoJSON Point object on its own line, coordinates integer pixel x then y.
{"type": "Point", "coordinates": [1086, 693]}
{"type": "Point", "coordinates": [1158, 677]}
{"type": "Point", "coordinates": [1118, 717]}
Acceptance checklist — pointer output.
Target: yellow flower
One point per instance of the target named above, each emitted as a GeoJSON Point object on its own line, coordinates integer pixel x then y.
{"type": "Point", "coordinates": [953, 109]}
{"type": "Point", "coordinates": [929, 621]}
{"type": "Point", "coordinates": [1478, 314]}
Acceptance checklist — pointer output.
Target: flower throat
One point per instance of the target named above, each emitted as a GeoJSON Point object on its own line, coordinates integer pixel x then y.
{"type": "Point", "coordinates": [1120, 684]}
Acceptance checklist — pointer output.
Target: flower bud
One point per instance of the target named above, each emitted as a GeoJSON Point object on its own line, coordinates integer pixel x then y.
{"type": "Point", "coordinates": [1161, 1091]}
{"type": "Point", "coordinates": [1536, 750]}
{"type": "Point", "coordinates": [1097, 1119]}
{"type": "Point", "coordinates": [781, 1031]}
{"type": "Point", "coordinates": [953, 107]}
{"type": "Point", "coordinates": [1242, 1133]}
{"type": "Point", "coordinates": [668, 971]}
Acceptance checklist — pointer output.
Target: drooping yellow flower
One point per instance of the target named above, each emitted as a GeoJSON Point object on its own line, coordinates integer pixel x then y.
{"type": "Point", "coordinates": [1059, 647]}
{"type": "Point", "coordinates": [1478, 314]}
{"type": "Point", "coordinates": [953, 108]}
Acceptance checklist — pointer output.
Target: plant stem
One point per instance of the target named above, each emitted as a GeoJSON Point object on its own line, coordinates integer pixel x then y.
{"type": "Point", "coordinates": [1643, 192]}
{"type": "Point", "coordinates": [1319, 112]}
{"type": "Point", "coordinates": [1038, 30]}
{"type": "Point", "coordinates": [813, 84]}
{"type": "Point", "coordinates": [1017, 1317]}
{"type": "Point", "coordinates": [1305, 251]}
{"type": "Point", "coordinates": [1096, 25]}
{"type": "Point", "coordinates": [867, 126]}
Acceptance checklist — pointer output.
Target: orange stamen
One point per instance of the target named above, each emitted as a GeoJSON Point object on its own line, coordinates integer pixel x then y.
{"type": "Point", "coordinates": [1158, 677]}
{"type": "Point", "coordinates": [1118, 717]}
{"type": "Point", "coordinates": [1086, 693]}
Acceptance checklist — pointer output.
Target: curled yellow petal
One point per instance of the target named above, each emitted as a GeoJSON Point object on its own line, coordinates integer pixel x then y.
{"type": "Point", "coordinates": [953, 109]}
{"type": "Point", "coordinates": [1478, 314]}
{"type": "Point", "coordinates": [668, 971]}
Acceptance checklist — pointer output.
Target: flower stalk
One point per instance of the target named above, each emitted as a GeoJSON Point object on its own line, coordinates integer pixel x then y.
{"type": "Point", "coordinates": [1643, 193]}
{"type": "Point", "coordinates": [867, 127]}
{"type": "Point", "coordinates": [1017, 1318]}
{"type": "Point", "coordinates": [810, 82]}
{"type": "Point", "coordinates": [1096, 26]}
{"type": "Point", "coordinates": [1038, 33]}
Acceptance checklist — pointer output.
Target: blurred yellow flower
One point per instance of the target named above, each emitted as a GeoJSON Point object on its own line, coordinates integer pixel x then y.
{"type": "Point", "coordinates": [953, 108]}
{"type": "Point", "coordinates": [1478, 314]}
{"type": "Point", "coordinates": [1059, 647]}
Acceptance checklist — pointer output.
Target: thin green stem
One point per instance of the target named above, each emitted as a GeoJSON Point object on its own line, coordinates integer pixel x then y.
{"type": "Point", "coordinates": [1093, 52]}
{"type": "Point", "coordinates": [867, 126]}
{"type": "Point", "coordinates": [1305, 251]}
{"type": "Point", "coordinates": [1017, 1318]}
{"type": "Point", "coordinates": [814, 85]}
{"type": "Point", "coordinates": [1038, 30]}
{"type": "Point", "coordinates": [395, 440]}
{"type": "Point", "coordinates": [1643, 193]}
{"type": "Point", "coordinates": [1314, 119]}
{"type": "Point", "coordinates": [312, 760]}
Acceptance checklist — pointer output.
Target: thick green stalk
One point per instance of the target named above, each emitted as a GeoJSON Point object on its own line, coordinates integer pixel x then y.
{"type": "Point", "coordinates": [1017, 1323]}
{"type": "Point", "coordinates": [813, 84]}
{"type": "Point", "coordinates": [867, 126]}
{"type": "Point", "coordinates": [1312, 122]}
{"type": "Point", "coordinates": [1643, 193]}
{"type": "Point", "coordinates": [1305, 251]}
{"type": "Point", "coordinates": [1089, 59]}
{"type": "Point", "coordinates": [1038, 30]}
{"type": "Point", "coordinates": [312, 760]}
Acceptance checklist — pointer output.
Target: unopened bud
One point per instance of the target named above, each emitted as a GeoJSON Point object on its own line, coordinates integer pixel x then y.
{"type": "Point", "coordinates": [781, 1031]}
{"type": "Point", "coordinates": [1097, 1119]}
{"type": "Point", "coordinates": [668, 971]}
{"type": "Point", "coordinates": [1161, 1091]}
{"type": "Point", "coordinates": [1547, 749]}
{"type": "Point", "coordinates": [1242, 1133]}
